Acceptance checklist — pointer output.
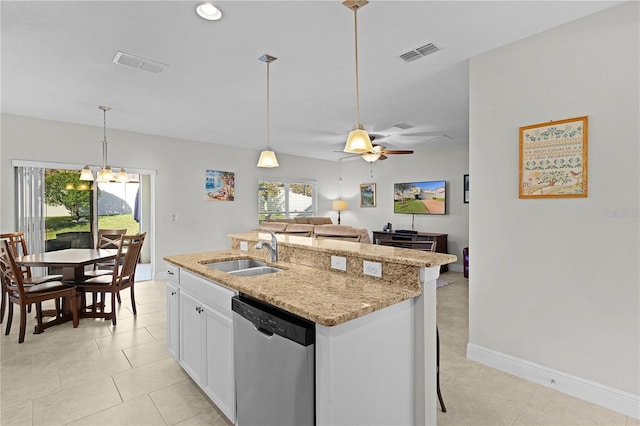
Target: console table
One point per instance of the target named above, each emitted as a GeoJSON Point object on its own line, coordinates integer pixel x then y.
{"type": "Point", "coordinates": [440, 239]}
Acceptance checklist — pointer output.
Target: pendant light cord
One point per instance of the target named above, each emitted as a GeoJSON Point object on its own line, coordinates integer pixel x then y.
{"type": "Point", "coordinates": [268, 116]}
{"type": "Point", "coordinates": [104, 140]}
{"type": "Point", "coordinates": [355, 19]}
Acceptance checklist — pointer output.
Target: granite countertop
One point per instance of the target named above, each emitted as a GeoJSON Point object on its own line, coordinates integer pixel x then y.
{"type": "Point", "coordinates": [324, 297]}
{"type": "Point", "coordinates": [308, 287]}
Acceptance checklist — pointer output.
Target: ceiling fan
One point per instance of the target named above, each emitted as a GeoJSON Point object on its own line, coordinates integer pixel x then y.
{"type": "Point", "coordinates": [379, 152]}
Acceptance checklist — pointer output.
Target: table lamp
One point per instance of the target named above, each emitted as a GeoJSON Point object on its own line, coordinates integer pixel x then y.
{"type": "Point", "coordinates": [339, 205]}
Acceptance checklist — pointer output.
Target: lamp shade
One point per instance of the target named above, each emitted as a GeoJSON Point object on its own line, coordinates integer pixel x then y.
{"type": "Point", "coordinates": [268, 159]}
{"type": "Point", "coordinates": [86, 174]}
{"type": "Point", "coordinates": [105, 175]}
{"type": "Point", "coordinates": [358, 142]}
{"type": "Point", "coordinates": [339, 205]}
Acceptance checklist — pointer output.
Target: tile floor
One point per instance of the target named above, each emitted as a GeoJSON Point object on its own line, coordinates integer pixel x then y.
{"type": "Point", "coordinates": [101, 375]}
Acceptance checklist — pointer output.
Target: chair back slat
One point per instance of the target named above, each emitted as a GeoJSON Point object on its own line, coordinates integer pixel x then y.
{"type": "Point", "coordinates": [109, 238]}
{"type": "Point", "coordinates": [12, 277]}
{"type": "Point", "coordinates": [18, 246]}
{"type": "Point", "coordinates": [416, 245]}
{"type": "Point", "coordinates": [131, 247]}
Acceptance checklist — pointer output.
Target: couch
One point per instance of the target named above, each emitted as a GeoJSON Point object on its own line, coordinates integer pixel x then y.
{"type": "Point", "coordinates": [316, 227]}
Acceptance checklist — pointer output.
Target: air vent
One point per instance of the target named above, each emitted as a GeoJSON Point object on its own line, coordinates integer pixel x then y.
{"type": "Point", "coordinates": [403, 126]}
{"type": "Point", "coordinates": [439, 138]}
{"type": "Point", "coordinates": [419, 52]}
{"type": "Point", "coordinates": [138, 62]}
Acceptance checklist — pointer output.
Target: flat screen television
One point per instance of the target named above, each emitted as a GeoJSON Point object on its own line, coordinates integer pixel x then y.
{"type": "Point", "coordinates": [420, 197]}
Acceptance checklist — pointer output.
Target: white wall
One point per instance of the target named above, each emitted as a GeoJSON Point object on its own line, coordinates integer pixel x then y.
{"type": "Point", "coordinates": [440, 161]}
{"type": "Point", "coordinates": [204, 225]}
{"type": "Point", "coordinates": [555, 281]}
{"type": "Point", "coordinates": [180, 165]}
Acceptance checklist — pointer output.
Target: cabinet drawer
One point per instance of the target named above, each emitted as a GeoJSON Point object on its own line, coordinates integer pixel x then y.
{"type": "Point", "coordinates": [208, 292]}
{"type": "Point", "coordinates": [173, 273]}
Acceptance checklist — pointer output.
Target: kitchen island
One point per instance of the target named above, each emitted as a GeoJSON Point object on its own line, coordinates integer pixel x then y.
{"type": "Point", "coordinates": [375, 336]}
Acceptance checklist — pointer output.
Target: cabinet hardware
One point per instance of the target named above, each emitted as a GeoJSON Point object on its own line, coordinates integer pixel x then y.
{"type": "Point", "coordinates": [173, 293]}
{"type": "Point", "coordinates": [170, 272]}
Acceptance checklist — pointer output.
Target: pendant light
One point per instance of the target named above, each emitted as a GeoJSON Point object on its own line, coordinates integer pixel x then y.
{"type": "Point", "coordinates": [358, 141]}
{"type": "Point", "coordinates": [267, 157]}
{"type": "Point", "coordinates": [105, 174]}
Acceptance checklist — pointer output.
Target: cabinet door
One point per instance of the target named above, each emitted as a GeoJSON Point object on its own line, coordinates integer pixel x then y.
{"type": "Point", "coordinates": [192, 336]}
{"type": "Point", "coordinates": [220, 384]}
{"type": "Point", "coordinates": [173, 320]}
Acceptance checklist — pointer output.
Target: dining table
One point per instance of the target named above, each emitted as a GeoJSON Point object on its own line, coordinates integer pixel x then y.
{"type": "Point", "coordinates": [73, 263]}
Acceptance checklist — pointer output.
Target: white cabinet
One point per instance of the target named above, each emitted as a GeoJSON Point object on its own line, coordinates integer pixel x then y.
{"type": "Point", "coordinates": [206, 338]}
{"type": "Point", "coordinates": [173, 311]}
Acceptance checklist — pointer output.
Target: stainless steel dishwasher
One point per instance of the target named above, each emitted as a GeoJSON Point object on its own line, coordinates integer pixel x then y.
{"type": "Point", "coordinates": [274, 365]}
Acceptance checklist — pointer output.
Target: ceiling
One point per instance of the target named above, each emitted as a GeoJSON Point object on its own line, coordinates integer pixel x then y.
{"type": "Point", "coordinates": [57, 64]}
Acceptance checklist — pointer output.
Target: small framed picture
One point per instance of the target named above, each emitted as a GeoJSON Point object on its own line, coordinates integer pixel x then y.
{"type": "Point", "coordinates": [465, 193]}
{"type": "Point", "coordinates": [368, 195]}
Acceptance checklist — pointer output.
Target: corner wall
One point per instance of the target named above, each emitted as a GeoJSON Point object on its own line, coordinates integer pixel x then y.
{"type": "Point", "coordinates": [554, 282]}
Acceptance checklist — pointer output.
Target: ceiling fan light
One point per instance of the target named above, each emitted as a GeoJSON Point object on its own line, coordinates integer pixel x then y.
{"type": "Point", "coordinates": [122, 176]}
{"type": "Point", "coordinates": [370, 157]}
{"type": "Point", "coordinates": [86, 174]}
{"type": "Point", "coordinates": [268, 159]}
{"type": "Point", "coordinates": [209, 12]}
{"type": "Point", "coordinates": [358, 142]}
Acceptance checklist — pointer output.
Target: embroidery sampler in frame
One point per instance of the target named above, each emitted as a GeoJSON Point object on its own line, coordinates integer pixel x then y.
{"type": "Point", "coordinates": [553, 159]}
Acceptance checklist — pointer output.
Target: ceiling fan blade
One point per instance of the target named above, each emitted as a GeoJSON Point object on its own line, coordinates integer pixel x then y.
{"type": "Point", "coordinates": [397, 151]}
{"type": "Point", "coordinates": [382, 157]}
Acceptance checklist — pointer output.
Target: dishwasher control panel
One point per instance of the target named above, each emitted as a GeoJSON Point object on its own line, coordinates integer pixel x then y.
{"type": "Point", "coordinates": [270, 319]}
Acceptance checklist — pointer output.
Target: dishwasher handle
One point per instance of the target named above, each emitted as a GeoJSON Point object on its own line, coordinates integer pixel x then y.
{"type": "Point", "coordinates": [263, 331]}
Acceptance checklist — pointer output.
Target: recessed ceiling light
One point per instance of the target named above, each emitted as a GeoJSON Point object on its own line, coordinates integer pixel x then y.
{"type": "Point", "coordinates": [209, 12]}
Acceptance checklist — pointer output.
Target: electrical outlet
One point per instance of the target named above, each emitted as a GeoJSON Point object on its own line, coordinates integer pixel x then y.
{"type": "Point", "coordinates": [244, 246]}
{"type": "Point", "coordinates": [372, 268]}
{"type": "Point", "coordinates": [174, 217]}
{"type": "Point", "coordinates": [339, 262]}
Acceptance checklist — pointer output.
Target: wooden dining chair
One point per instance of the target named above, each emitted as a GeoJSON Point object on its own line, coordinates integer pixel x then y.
{"type": "Point", "coordinates": [123, 277]}
{"type": "Point", "coordinates": [18, 246]}
{"type": "Point", "coordinates": [20, 294]}
{"type": "Point", "coordinates": [107, 239]}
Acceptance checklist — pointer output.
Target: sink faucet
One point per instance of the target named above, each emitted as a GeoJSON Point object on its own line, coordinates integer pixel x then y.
{"type": "Point", "coordinates": [273, 247]}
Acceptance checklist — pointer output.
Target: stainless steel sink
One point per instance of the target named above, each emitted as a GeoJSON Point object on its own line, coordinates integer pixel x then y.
{"type": "Point", "coordinates": [258, 270]}
{"type": "Point", "coordinates": [243, 267]}
{"type": "Point", "coordinates": [235, 265]}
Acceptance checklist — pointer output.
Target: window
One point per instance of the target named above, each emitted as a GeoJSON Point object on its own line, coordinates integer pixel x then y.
{"type": "Point", "coordinates": [285, 199]}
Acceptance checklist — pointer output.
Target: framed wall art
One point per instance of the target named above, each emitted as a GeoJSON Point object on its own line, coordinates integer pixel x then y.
{"type": "Point", "coordinates": [219, 186]}
{"type": "Point", "coordinates": [553, 159]}
{"type": "Point", "coordinates": [368, 195]}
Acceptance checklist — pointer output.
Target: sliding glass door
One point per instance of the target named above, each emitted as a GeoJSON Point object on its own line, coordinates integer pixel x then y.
{"type": "Point", "coordinates": [75, 209]}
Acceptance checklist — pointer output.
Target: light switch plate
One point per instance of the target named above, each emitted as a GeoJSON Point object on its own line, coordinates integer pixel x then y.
{"type": "Point", "coordinates": [244, 246]}
{"type": "Point", "coordinates": [339, 262]}
{"type": "Point", "coordinates": [373, 269]}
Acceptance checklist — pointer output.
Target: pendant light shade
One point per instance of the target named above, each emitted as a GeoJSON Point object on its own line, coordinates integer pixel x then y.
{"type": "Point", "coordinates": [267, 157]}
{"type": "Point", "coordinates": [105, 174]}
{"type": "Point", "coordinates": [358, 141]}
{"type": "Point", "coordinates": [86, 174]}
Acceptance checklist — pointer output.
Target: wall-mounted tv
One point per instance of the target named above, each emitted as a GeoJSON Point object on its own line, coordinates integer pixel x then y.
{"type": "Point", "coordinates": [420, 197]}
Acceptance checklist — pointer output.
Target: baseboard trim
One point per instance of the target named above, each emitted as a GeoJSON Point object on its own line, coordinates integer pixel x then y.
{"type": "Point", "coordinates": [614, 399]}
